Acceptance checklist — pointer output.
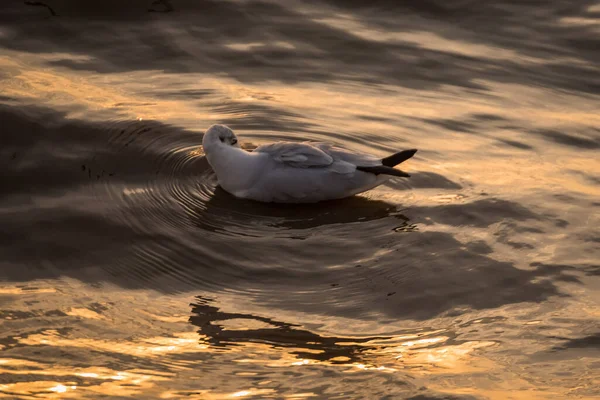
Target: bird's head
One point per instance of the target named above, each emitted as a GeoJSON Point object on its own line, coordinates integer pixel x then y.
{"type": "Point", "coordinates": [219, 135]}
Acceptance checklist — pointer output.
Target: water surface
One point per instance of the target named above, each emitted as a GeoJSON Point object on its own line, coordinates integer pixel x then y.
{"type": "Point", "coordinates": [126, 271]}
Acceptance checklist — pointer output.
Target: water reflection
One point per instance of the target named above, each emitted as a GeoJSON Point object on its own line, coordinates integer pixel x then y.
{"type": "Point", "coordinates": [308, 35]}
{"type": "Point", "coordinates": [305, 344]}
{"type": "Point", "coordinates": [412, 349]}
{"type": "Point", "coordinates": [222, 206]}
{"type": "Point", "coordinates": [476, 278]}
{"type": "Point", "coordinates": [167, 220]}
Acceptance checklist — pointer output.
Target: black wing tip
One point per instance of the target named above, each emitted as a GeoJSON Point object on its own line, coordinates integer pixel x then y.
{"type": "Point", "coordinates": [409, 153]}
{"type": "Point", "coordinates": [398, 158]}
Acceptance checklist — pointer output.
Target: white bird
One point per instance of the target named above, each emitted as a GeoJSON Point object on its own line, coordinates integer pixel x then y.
{"type": "Point", "coordinates": [290, 172]}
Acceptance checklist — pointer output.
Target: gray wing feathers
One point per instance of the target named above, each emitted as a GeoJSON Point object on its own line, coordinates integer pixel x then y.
{"type": "Point", "coordinates": [317, 155]}
{"type": "Point", "coordinates": [348, 156]}
{"type": "Point", "coordinates": [299, 155]}
{"type": "Point", "coordinates": [313, 171]}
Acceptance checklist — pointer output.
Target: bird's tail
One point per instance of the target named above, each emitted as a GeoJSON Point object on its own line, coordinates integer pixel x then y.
{"type": "Point", "coordinates": [388, 163]}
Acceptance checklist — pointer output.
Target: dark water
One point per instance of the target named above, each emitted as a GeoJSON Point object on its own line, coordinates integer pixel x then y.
{"type": "Point", "coordinates": [127, 273]}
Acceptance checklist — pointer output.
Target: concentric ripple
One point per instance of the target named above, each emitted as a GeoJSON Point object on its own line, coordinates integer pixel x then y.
{"type": "Point", "coordinates": [187, 231]}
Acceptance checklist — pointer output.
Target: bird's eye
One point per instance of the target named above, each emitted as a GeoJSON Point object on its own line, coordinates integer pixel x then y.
{"type": "Point", "coordinates": [233, 141]}
{"type": "Point", "coordinates": [222, 139]}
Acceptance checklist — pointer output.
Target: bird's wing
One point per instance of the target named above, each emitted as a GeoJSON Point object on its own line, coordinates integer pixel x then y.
{"type": "Point", "coordinates": [298, 155]}
{"type": "Point", "coordinates": [349, 156]}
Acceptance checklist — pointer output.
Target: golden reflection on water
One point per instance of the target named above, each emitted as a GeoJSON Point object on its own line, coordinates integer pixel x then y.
{"type": "Point", "coordinates": [137, 95]}
{"type": "Point", "coordinates": [173, 360]}
{"type": "Point", "coordinates": [93, 97]}
{"type": "Point", "coordinates": [163, 340]}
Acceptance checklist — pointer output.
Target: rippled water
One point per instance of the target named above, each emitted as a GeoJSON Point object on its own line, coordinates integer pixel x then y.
{"type": "Point", "coordinates": [126, 272]}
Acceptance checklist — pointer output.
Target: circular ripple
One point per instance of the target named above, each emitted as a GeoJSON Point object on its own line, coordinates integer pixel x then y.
{"type": "Point", "coordinates": [187, 232]}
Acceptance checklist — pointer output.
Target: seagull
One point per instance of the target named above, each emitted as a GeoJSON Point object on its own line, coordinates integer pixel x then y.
{"type": "Point", "coordinates": [295, 172]}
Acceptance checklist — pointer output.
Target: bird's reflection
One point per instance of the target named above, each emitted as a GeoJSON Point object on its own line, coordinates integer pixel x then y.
{"type": "Point", "coordinates": [307, 345]}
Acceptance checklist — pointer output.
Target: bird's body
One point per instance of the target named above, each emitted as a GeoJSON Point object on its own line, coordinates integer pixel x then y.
{"type": "Point", "coordinates": [290, 172]}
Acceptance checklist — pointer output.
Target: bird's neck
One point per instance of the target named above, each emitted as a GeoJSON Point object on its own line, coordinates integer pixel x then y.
{"type": "Point", "coordinates": [236, 169]}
